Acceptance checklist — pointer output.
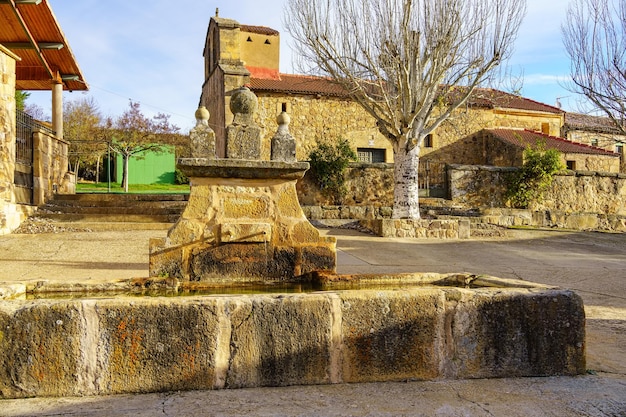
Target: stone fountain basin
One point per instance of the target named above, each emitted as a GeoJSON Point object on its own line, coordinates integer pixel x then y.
{"type": "Point", "coordinates": [415, 326]}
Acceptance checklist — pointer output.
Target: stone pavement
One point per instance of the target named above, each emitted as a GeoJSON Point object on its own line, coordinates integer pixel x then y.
{"type": "Point", "coordinates": [593, 264]}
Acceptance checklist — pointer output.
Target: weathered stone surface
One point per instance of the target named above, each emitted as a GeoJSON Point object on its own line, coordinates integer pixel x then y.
{"type": "Point", "coordinates": [424, 228]}
{"type": "Point", "coordinates": [202, 141]}
{"type": "Point", "coordinates": [242, 228]}
{"type": "Point", "coordinates": [243, 136]}
{"type": "Point", "coordinates": [150, 346]}
{"type": "Point", "coordinates": [514, 334]}
{"type": "Point", "coordinates": [109, 346]}
{"type": "Point", "coordinates": [391, 335]}
{"type": "Point", "coordinates": [281, 340]}
{"type": "Point", "coordinates": [40, 350]}
{"type": "Point", "coordinates": [283, 145]}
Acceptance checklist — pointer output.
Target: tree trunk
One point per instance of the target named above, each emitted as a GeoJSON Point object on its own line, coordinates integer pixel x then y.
{"type": "Point", "coordinates": [98, 170]}
{"type": "Point", "coordinates": [125, 159]}
{"type": "Point", "coordinates": [406, 190]}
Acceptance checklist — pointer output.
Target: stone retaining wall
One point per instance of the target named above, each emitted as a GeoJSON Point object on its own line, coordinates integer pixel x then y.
{"type": "Point", "coordinates": [570, 192]}
{"type": "Point", "coordinates": [423, 228]}
{"type": "Point", "coordinates": [155, 344]}
{"type": "Point", "coordinates": [366, 185]}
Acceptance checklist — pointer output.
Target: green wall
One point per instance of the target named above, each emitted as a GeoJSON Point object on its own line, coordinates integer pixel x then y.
{"type": "Point", "coordinates": [149, 168]}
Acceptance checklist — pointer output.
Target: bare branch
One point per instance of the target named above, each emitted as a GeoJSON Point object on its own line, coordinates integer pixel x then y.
{"type": "Point", "coordinates": [594, 35]}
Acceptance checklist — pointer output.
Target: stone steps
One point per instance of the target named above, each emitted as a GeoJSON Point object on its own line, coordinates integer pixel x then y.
{"type": "Point", "coordinates": [115, 211]}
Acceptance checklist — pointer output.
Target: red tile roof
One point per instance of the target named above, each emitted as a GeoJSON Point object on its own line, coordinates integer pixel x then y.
{"type": "Point", "coordinates": [261, 30]}
{"type": "Point", "coordinates": [524, 138]}
{"type": "Point", "coordinates": [490, 98]}
{"type": "Point", "coordinates": [303, 84]}
{"type": "Point", "coordinates": [578, 121]}
{"type": "Point", "coordinates": [298, 84]}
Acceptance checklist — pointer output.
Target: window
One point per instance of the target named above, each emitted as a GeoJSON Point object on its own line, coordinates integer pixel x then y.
{"type": "Point", "coordinates": [619, 148]}
{"type": "Point", "coordinates": [249, 39]}
{"type": "Point", "coordinates": [283, 107]}
{"type": "Point", "coordinates": [545, 128]}
{"type": "Point", "coordinates": [428, 141]}
{"type": "Point", "coordinates": [594, 142]}
{"type": "Point", "coordinates": [267, 42]}
{"type": "Point", "coordinates": [571, 165]}
{"type": "Point", "coordinates": [370, 155]}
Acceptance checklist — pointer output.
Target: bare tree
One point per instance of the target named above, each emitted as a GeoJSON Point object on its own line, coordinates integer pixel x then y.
{"type": "Point", "coordinates": [408, 63]}
{"type": "Point", "coordinates": [594, 35]}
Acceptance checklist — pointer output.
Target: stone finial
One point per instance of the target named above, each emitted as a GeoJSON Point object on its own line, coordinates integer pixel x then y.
{"type": "Point", "coordinates": [202, 137]}
{"type": "Point", "coordinates": [243, 136]}
{"type": "Point", "coordinates": [202, 116]}
{"type": "Point", "coordinates": [283, 144]}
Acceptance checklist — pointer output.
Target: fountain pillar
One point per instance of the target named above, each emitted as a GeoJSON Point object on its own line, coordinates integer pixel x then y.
{"type": "Point", "coordinates": [243, 222]}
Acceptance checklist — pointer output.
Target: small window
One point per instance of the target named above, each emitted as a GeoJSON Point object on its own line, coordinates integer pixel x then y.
{"type": "Point", "coordinates": [619, 148]}
{"type": "Point", "coordinates": [428, 141]}
{"type": "Point", "coordinates": [283, 107]}
{"type": "Point", "coordinates": [371, 155]}
{"type": "Point", "coordinates": [267, 42]}
{"type": "Point", "coordinates": [571, 165]}
{"type": "Point", "coordinates": [594, 142]}
{"type": "Point", "coordinates": [545, 128]}
{"type": "Point", "coordinates": [249, 39]}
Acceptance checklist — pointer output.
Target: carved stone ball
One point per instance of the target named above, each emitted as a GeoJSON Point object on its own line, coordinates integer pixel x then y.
{"type": "Point", "coordinates": [283, 119]}
{"type": "Point", "coordinates": [243, 101]}
{"type": "Point", "coordinates": [202, 114]}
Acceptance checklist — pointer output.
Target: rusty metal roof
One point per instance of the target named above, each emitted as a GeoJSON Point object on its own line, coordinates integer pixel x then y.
{"type": "Point", "coordinates": [29, 29]}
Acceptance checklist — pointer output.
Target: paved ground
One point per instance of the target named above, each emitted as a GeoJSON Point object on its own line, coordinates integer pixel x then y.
{"type": "Point", "coordinates": [593, 264]}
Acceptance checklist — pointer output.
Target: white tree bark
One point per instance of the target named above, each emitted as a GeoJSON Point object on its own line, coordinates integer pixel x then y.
{"type": "Point", "coordinates": [406, 190]}
{"type": "Point", "coordinates": [408, 63]}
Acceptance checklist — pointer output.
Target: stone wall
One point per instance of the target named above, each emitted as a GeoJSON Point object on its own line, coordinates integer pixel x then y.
{"type": "Point", "coordinates": [9, 214]}
{"type": "Point", "coordinates": [571, 191]}
{"type": "Point", "coordinates": [50, 162]}
{"type": "Point", "coordinates": [366, 184]}
{"type": "Point", "coordinates": [423, 228]}
{"type": "Point", "coordinates": [318, 119]}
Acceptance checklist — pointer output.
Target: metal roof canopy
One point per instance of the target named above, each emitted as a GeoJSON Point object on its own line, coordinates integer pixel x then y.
{"type": "Point", "coordinates": [29, 29]}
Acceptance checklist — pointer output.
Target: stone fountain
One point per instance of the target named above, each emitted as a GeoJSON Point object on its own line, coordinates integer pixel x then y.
{"type": "Point", "coordinates": [243, 224]}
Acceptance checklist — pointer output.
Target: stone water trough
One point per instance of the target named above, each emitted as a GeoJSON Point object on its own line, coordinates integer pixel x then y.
{"type": "Point", "coordinates": [243, 226]}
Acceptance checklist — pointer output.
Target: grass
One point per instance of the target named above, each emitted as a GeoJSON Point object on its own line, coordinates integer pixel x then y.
{"type": "Point", "coordinates": [103, 187]}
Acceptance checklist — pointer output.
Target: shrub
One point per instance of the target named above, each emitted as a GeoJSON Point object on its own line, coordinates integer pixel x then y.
{"type": "Point", "coordinates": [529, 182]}
{"type": "Point", "coordinates": [328, 165]}
{"type": "Point", "coordinates": [180, 178]}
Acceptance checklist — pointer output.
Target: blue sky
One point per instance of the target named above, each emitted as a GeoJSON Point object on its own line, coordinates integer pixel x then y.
{"type": "Point", "coordinates": [151, 52]}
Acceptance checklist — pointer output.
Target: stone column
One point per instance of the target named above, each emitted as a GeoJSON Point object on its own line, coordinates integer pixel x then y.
{"type": "Point", "coordinates": [57, 108]}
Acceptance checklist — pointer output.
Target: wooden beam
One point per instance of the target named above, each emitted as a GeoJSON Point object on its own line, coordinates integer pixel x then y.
{"type": "Point", "coordinates": [30, 36]}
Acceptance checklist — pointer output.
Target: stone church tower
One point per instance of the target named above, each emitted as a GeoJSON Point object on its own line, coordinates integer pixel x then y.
{"type": "Point", "coordinates": [232, 53]}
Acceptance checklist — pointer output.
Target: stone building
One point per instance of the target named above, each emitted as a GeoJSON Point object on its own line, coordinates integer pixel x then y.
{"type": "Point", "coordinates": [34, 55]}
{"type": "Point", "coordinates": [237, 55]}
{"type": "Point", "coordinates": [595, 131]}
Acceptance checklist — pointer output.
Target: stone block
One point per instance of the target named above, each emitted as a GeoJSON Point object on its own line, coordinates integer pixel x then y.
{"type": "Point", "coordinates": [246, 232]}
{"type": "Point", "coordinates": [281, 340]}
{"type": "Point", "coordinates": [156, 345]}
{"type": "Point", "coordinates": [391, 335]}
{"type": "Point", "coordinates": [40, 349]}
{"type": "Point", "coordinates": [246, 207]}
{"type": "Point", "coordinates": [514, 334]}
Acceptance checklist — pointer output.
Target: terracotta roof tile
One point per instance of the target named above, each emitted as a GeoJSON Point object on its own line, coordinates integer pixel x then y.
{"type": "Point", "coordinates": [303, 84]}
{"type": "Point", "coordinates": [578, 121]}
{"type": "Point", "coordinates": [298, 84]}
{"type": "Point", "coordinates": [488, 97]}
{"type": "Point", "coordinates": [261, 30]}
{"type": "Point", "coordinates": [524, 138]}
